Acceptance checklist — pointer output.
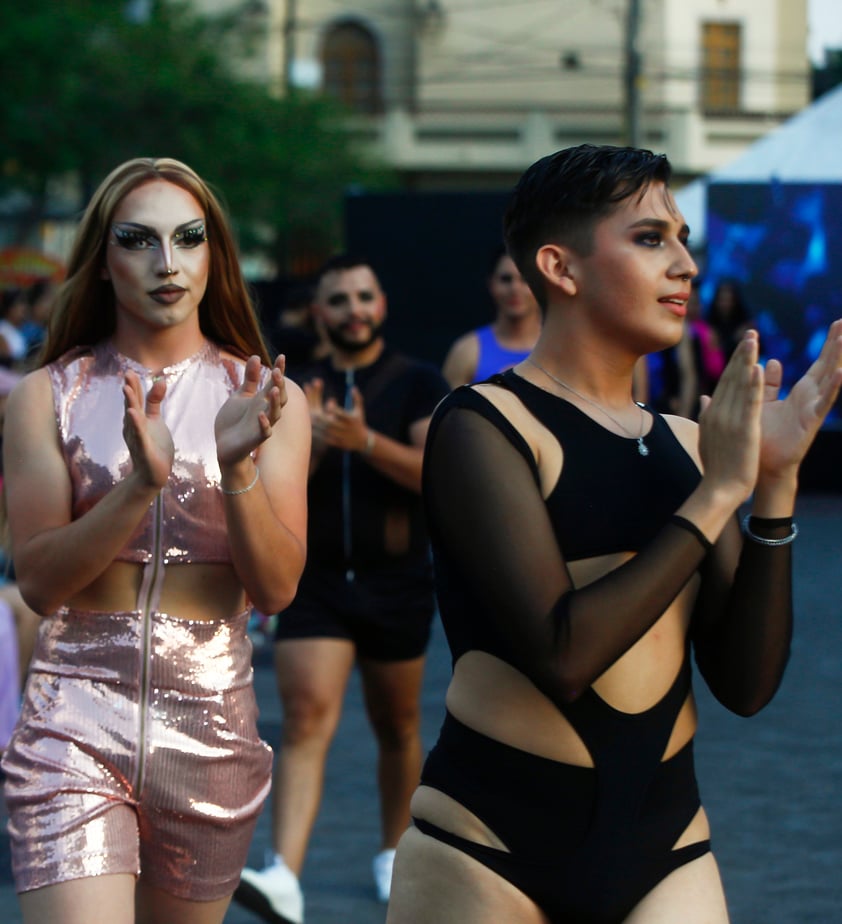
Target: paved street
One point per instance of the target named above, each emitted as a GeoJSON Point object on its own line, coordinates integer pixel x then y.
{"type": "Point", "coordinates": [772, 784]}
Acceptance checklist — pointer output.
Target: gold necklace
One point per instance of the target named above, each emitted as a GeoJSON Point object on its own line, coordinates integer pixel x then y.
{"type": "Point", "coordinates": [642, 448]}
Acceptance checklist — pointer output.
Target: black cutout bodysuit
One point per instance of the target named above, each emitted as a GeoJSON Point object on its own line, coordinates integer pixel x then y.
{"type": "Point", "coordinates": [586, 844]}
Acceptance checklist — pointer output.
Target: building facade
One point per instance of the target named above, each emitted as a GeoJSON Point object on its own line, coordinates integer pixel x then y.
{"type": "Point", "coordinates": [464, 94]}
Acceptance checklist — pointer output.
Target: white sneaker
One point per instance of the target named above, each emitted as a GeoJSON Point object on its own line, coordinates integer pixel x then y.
{"type": "Point", "coordinates": [382, 869]}
{"type": "Point", "coordinates": [272, 893]}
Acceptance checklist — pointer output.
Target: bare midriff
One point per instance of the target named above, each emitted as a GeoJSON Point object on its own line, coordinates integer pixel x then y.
{"type": "Point", "coordinates": [493, 698]}
{"type": "Point", "coordinates": [189, 591]}
{"type": "Point", "coordinates": [497, 700]}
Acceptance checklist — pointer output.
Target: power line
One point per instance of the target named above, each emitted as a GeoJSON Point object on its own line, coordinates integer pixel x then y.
{"type": "Point", "coordinates": [530, 56]}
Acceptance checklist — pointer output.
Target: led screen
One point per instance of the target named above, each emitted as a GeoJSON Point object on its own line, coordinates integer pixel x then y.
{"type": "Point", "coordinates": [782, 243]}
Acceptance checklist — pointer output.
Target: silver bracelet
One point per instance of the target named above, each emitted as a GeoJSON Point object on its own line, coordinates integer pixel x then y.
{"type": "Point", "coordinates": [243, 490]}
{"type": "Point", "coordinates": [762, 540]}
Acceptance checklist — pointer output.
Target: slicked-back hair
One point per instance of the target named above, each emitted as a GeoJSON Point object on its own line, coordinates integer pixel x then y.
{"type": "Point", "coordinates": [85, 308]}
{"type": "Point", "coordinates": [562, 196]}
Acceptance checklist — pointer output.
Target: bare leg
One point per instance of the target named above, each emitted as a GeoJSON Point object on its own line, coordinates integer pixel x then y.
{"type": "Point", "coordinates": [312, 676]}
{"type": "Point", "coordinates": [392, 693]}
{"type": "Point", "coordinates": [691, 894]}
{"type": "Point", "coordinates": [436, 884]}
{"type": "Point", "coordinates": [154, 906]}
{"type": "Point", "coordinates": [80, 901]}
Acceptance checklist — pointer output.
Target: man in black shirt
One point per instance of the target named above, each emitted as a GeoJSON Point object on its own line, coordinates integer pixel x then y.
{"type": "Point", "coordinates": [366, 595]}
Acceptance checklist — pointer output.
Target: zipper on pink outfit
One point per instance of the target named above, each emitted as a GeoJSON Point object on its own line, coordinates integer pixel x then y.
{"type": "Point", "coordinates": [148, 602]}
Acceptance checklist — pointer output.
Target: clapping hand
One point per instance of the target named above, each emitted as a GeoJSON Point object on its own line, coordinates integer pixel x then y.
{"type": "Point", "coordinates": [147, 436]}
{"type": "Point", "coordinates": [247, 417]}
{"type": "Point", "coordinates": [789, 426]}
{"type": "Point", "coordinates": [314, 392]}
{"type": "Point", "coordinates": [730, 423]}
{"type": "Point", "coordinates": [335, 426]}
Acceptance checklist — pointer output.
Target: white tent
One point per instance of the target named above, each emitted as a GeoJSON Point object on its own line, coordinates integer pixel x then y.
{"type": "Point", "coordinates": [805, 149]}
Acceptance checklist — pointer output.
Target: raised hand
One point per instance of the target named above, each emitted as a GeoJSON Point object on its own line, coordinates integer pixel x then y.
{"type": "Point", "coordinates": [314, 392]}
{"type": "Point", "coordinates": [790, 426]}
{"type": "Point", "coordinates": [729, 425]}
{"type": "Point", "coordinates": [346, 429]}
{"type": "Point", "coordinates": [333, 425]}
{"type": "Point", "coordinates": [147, 436]}
{"type": "Point", "coordinates": [247, 417]}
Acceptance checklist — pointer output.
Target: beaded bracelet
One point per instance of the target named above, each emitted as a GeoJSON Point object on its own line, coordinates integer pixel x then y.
{"type": "Point", "coordinates": [243, 490]}
{"type": "Point", "coordinates": [762, 540]}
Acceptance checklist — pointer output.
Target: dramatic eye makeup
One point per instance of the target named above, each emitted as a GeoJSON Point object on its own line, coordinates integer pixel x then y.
{"type": "Point", "coordinates": [138, 237]}
{"type": "Point", "coordinates": [190, 237]}
{"type": "Point", "coordinates": [132, 238]}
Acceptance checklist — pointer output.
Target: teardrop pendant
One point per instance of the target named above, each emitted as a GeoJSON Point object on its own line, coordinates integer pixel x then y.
{"type": "Point", "coordinates": [642, 448]}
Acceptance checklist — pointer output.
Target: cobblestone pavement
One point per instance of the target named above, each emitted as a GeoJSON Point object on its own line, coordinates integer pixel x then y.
{"type": "Point", "coordinates": [771, 784]}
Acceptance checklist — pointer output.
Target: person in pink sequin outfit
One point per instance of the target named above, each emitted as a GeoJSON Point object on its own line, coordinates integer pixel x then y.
{"type": "Point", "coordinates": [156, 467]}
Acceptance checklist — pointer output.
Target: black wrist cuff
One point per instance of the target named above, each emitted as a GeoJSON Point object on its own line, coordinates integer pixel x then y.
{"type": "Point", "coordinates": [681, 522]}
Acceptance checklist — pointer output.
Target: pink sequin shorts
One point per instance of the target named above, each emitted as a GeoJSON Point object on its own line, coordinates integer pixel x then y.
{"type": "Point", "coordinates": [137, 752]}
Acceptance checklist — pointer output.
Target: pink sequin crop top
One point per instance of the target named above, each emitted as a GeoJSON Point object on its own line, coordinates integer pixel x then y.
{"type": "Point", "coordinates": [186, 522]}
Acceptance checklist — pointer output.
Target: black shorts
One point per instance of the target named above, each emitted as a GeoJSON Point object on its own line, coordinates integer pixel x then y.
{"type": "Point", "coordinates": [387, 615]}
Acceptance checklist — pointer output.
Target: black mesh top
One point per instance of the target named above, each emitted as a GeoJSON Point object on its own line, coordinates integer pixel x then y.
{"type": "Point", "coordinates": [500, 552]}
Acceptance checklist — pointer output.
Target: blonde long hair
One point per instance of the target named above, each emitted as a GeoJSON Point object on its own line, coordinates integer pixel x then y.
{"type": "Point", "coordinates": [84, 311]}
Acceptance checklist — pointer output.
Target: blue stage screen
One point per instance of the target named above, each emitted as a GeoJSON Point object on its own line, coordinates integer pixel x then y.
{"type": "Point", "coordinates": [782, 243]}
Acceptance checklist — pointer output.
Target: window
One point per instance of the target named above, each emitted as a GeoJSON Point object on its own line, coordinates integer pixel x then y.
{"type": "Point", "coordinates": [351, 67]}
{"type": "Point", "coordinates": [720, 88]}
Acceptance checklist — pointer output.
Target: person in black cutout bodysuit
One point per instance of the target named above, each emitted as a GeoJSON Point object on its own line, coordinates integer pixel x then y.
{"type": "Point", "coordinates": [584, 546]}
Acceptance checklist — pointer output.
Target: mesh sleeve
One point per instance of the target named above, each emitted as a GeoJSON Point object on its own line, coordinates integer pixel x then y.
{"type": "Point", "coordinates": [488, 518]}
{"type": "Point", "coordinates": [742, 623]}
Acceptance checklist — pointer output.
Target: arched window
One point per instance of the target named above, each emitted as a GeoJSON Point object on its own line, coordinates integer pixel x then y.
{"type": "Point", "coordinates": [351, 67]}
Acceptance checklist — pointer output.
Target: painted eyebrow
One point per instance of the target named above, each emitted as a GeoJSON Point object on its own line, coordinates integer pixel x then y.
{"type": "Point", "coordinates": [146, 228]}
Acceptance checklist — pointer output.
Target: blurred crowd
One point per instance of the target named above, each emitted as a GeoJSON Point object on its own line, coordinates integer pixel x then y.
{"type": "Point", "coordinates": [24, 314]}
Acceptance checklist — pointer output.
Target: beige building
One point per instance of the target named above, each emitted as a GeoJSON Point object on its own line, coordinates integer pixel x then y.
{"type": "Point", "coordinates": [466, 93]}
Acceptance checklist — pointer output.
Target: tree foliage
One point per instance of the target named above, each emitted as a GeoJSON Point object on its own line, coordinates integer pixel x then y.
{"type": "Point", "coordinates": [87, 86]}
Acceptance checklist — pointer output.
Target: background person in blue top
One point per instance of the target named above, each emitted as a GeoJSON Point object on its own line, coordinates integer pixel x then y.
{"type": "Point", "coordinates": [366, 595]}
{"type": "Point", "coordinates": [508, 339]}
{"type": "Point", "coordinates": [583, 544]}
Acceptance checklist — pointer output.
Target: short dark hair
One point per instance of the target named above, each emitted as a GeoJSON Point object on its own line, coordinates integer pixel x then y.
{"type": "Point", "coordinates": [562, 196]}
{"type": "Point", "coordinates": [497, 255]}
{"type": "Point", "coordinates": [343, 261]}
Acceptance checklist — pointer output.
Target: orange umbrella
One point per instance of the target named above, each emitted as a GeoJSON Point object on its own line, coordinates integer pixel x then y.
{"type": "Point", "coordinates": [21, 266]}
